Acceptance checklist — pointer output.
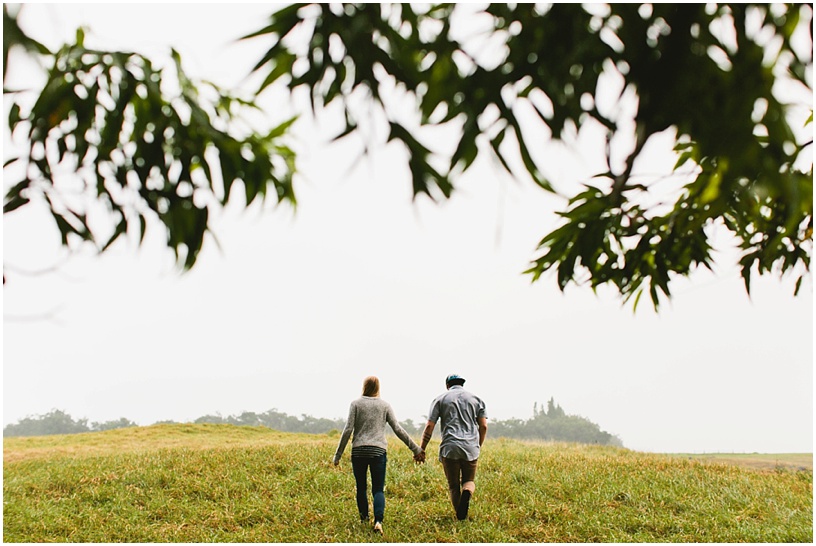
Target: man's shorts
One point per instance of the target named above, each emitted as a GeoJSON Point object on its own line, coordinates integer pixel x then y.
{"type": "Point", "coordinates": [459, 471]}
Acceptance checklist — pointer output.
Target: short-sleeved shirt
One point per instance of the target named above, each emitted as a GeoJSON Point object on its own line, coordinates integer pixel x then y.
{"type": "Point", "coordinates": [459, 412]}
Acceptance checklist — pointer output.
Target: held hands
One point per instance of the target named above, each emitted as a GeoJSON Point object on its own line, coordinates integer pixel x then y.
{"type": "Point", "coordinates": [419, 458]}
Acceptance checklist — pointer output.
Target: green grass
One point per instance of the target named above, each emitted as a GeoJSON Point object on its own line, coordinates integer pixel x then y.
{"type": "Point", "coordinates": [761, 461]}
{"type": "Point", "coordinates": [219, 483]}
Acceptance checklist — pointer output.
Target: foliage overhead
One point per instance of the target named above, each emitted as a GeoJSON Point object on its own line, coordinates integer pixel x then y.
{"type": "Point", "coordinates": [143, 142]}
{"type": "Point", "coordinates": [706, 71]}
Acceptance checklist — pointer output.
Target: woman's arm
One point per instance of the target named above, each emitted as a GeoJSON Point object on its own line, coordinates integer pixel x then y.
{"type": "Point", "coordinates": [347, 430]}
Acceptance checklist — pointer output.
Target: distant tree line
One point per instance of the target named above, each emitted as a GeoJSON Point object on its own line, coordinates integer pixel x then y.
{"type": "Point", "coordinates": [278, 421]}
{"type": "Point", "coordinates": [59, 422]}
{"type": "Point", "coordinates": [552, 424]}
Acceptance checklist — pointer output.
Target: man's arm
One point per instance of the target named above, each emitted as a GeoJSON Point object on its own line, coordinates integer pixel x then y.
{"type": "Point", "coordinates": [426, 434]}
{"type": "Point", "coordinates": [482, 430]}
{"type": "Point", "coordinates": [426, 437]}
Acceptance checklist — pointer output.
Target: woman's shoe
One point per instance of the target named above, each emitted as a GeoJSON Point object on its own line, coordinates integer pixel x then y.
{"type": "Point", "coordinates": [378, 527]}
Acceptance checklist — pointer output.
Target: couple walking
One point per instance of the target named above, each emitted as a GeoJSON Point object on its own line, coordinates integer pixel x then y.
{"type": "Point", "coordinates": [463, 424]}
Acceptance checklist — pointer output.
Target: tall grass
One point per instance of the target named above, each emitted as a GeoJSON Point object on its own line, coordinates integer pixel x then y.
{"type": "Point", "coordinates": [219, 483]}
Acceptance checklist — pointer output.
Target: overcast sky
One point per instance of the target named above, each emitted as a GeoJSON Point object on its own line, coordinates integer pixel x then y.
{"type": "Point", "coordinates": [296, 308]}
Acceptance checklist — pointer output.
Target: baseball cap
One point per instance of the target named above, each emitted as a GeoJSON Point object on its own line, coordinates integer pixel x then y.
{"type": "Point", "coordinates": [454, 379]}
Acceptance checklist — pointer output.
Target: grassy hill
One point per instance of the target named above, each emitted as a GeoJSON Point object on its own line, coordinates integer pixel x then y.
{"type": "Point", "coordinates": [221, 483]}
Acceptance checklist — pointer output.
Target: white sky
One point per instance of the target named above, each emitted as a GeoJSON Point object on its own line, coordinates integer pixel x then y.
{"type": "Point", "coordinates": [297, 308]}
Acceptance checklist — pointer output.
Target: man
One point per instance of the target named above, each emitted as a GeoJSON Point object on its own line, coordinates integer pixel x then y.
{"type": "Point", "coordinates": [464, 427]}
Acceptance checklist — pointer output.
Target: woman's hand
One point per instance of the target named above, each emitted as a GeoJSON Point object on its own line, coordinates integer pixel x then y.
{"type": "Point", "coordinates": [420, 457]}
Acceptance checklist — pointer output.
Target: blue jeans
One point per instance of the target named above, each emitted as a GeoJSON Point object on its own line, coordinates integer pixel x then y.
{"type": "Point", "coordinates": [360, 466]}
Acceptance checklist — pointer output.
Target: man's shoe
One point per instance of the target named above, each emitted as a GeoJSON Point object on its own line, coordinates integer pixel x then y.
{"type": "Point", "coordinates": [378, 527]}
{"type": "Point", "coordinates": [464, 503]}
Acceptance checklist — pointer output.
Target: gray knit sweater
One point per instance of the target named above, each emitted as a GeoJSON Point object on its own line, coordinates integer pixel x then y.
{"type": "Point", "coordinates": [367, 419]}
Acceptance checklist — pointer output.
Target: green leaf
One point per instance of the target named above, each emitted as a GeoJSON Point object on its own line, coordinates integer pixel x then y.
{"type": "Point", "coordinates": [466, 151]}
{"type": "Point", "coordinates": [11, 161]}
{"type": "Point", "coordinates": [281, 129]}
{"type": "Point", "coordinates": [14, 116]}
{"type": "Point", "coordinates": [121, 228]}
{"type": "Point", "coordinates": [283, 66]}
{"type": "Point", "coordinates": [495, 144]}
{"type": "Point", "coordinates": [637, 300]}
{"type": "Point", "coordinates": [64, 228]}
{"type": "Point", "coordinates": [14, 203]}
{"type": "Point", "coordinates": [142, 228]}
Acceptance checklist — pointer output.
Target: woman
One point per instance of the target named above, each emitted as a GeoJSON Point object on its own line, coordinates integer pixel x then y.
{"type": "Point", "coordinates": [367, 418]}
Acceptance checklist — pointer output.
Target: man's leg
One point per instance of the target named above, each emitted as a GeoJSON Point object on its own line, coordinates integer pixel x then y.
{"type": "Point", "coordinates": [468, 488]}
{"type": "Point", "coordinates": [452, 473]}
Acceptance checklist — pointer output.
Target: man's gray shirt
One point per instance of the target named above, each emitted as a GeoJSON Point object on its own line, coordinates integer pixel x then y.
{"type": "Point", "coordinates": [459, 412]}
